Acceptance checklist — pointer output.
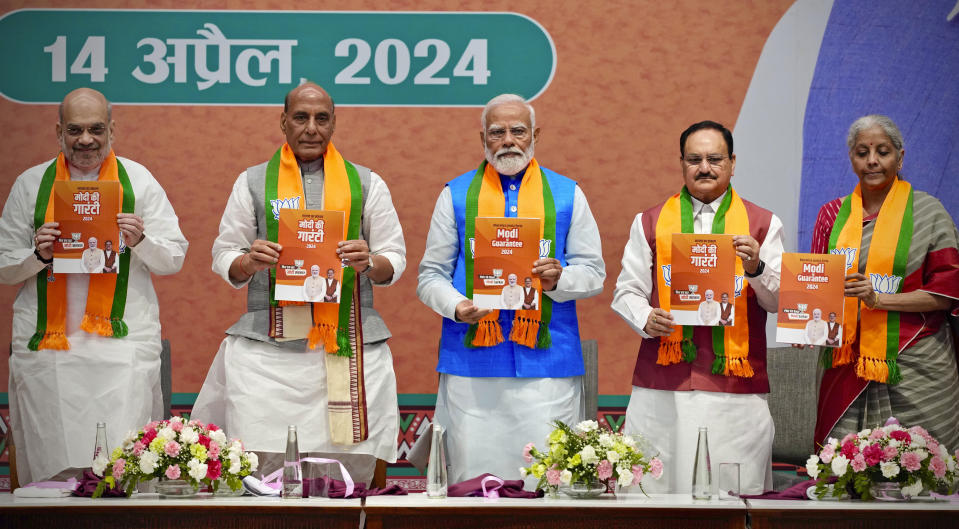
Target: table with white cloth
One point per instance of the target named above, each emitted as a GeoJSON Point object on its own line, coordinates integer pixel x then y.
{"type": "Point", "coordinates": [634, 511]}
{"type": "Point", "coordinates": [847, 514]}
{"type": "Point", "coordinates": [203, 512]}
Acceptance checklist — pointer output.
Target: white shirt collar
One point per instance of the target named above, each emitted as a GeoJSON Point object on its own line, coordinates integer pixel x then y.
{"type": "Point", "coordinates": [82, 174]}
{"type": "Point", "coordinates": [713, 206]}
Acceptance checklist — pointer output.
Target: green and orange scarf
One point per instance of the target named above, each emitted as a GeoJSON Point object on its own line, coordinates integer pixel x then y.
{"type": "Point", "coordinates": [887, 259]}
{"type": "Point", "coordinates": [485, 198]}
{"type": "Point", "coordinates": [730, 343]}
{"type": "Point", "coordinates": [337, 326]}
{"type": "Point", "coordinates": [107, 293]}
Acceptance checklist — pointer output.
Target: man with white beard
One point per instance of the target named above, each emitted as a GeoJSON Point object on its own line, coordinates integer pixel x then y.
{"type": "Point", "coordinates": [500, 390]}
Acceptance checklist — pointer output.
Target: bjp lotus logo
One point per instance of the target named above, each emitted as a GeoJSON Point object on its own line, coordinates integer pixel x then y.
{"type": "Point", "coordinates": [693, 288]}
{"type": "Point", "coordinates": [544, 245]}
{"type": "Point", "coordinates": [667, 274]}
{"type": "Point", "coordinates": [850, 254]}
{"type": "Point", "coordinates": [76, 236]}
{"type": "Point", "coordinates": [284, 203]}
{"type": "Point", "coordinates": [885, 284]}
{"type": "Point", "coordinates": [802, 306]}
{"type": "Point", "coordinates": [298, 263]}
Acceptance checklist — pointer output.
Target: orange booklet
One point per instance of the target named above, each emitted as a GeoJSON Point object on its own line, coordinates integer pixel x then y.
{"type": "Point", "coordinates": [504, 251]}
{"type": "Point", "coordinates": [308, 268]}
{"type": "Point", "coordinates": [90, 239]}
{"type": "Point", "coordinates": [702, 282]}
{"type": "Point", "coordinates": [811, 299]}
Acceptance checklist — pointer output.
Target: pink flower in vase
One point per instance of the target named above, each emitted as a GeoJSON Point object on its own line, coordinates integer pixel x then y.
{"type": "Point", "coordinates": [901, 436]}
{"type": "Point", "coordinates": [910, 461]}
{"type": "Point", "coordinates": [172, 449]}
{"type": "Point", "coordinates": [938, 467]}
{"type": "Point", "coordinates": [889, 453]}
{"type": "Point", "coordinates": [172, 472]}
{"type": "Point", "coordinates": [176, 426]}
{"type": "Point", "coordinates": [637, 474]}
{"type": "Point", "coordinates": [212, 427]}
{"type": "Point", "coordinates": [118, 468]}
{"type": "Point", "coordinates": [213, 469]}
{"type": "Point", "coordinates": [149, 436]}
{"type": "Point", "coordinates": [205, 441]}
{"type": "Point", "coordinates": [604, 470]}
{"type": "Point", "coordinates": [877, 434]}
{"type": "Point", "coordinates": [828, 452]}
{"type": "Point", "coordinates": [849, 449]}
{"type": "Point", "coordinates": [892, 420]}
{"type": "Point", "coordinates": [214, 450]}
{"type": "Point", "coordinates": [858, 463]}
{"type": "Point", "coordinates": [552, 477]}
{"type": "Point", "coordinates": [872, 454]}
{"type": "Point", "coordinates": [138, 448]}
{"type": "Point", "coordinates": [526, 454]}
{"type": "Point", "coordinates": [151, 425]}
{"type": "Point", "coordinates": [656, 467]}
{"type": "Point", "coordinates": [848, 438]}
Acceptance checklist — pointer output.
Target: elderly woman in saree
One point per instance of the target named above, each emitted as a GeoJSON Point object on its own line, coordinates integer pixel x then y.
{"type": "Point", "coordinates": [897, 356]}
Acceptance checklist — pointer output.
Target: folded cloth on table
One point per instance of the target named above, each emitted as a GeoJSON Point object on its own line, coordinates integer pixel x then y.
{"type": "Point", "coordinates": [257, 488]}
{"type": "Point", "coordinates": [795, 492]}
{"type": "Point", "coordinates": [88, 484]}
{"type": "Point", "coordinates": [40, 492]}
{"type": "Point", "coordinates": [512, 488]}
{"type": "Point", "coordinates": [337, 489]}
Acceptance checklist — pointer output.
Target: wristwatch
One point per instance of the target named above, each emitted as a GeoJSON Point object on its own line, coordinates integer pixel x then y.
{"type": "Point", "coordinates": [369, 267]}
{"type": "Point", "coordinates": [40, 257]}
{"type": "Point", "coordinates": [759, 270]}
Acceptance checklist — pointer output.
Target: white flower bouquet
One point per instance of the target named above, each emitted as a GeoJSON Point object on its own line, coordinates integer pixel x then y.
{"type": "Point", "coordinates": [585, 454]}
{"type": "Point", "coordinates": [175, 449]}
{"type": "Point", "coordinates": [890, 453]}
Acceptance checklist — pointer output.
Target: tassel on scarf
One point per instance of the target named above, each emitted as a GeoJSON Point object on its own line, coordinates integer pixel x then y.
{"type": "Point", "coordinates": [689, 350]}
{"type": "Point", "coordinates": [525, 331]}
{"type": "Point", "coordinates": [872, 369]}
{"type": "Point", "coordinates": [488, 334]}
{"type": "Point", "coordinates": [739, 367]}
{"type": "Point", "coordinates": [50, 340]}
{"type": "Point", "coordinates": [120, 328]}
{"type": "Point", "coordinates": [344, 348]}
{"type": "Point", "coordinates": [670, 351]}
{"type": "Point", "coordinates": [325, 334]}
{"type": "Point", "coordinates": [545, 339]}
{"type": "Point", "coordinates": [96, 325]}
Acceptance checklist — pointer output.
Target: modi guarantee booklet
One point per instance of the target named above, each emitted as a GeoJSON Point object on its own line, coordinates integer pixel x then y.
{"type": "Point", "coordinates": [308, 268]}
{"type": "Point", "coordinates": [702, 276]}
{"type": "Point", "coordinates": [811, 296]}
{"type": "Point", "coordinates": [504, 250]}
{"type": "Point", "coordinates": [89, 235]}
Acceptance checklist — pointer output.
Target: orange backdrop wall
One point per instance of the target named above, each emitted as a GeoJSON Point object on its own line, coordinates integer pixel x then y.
{"type": "Point", "coordinates": [630, 76]}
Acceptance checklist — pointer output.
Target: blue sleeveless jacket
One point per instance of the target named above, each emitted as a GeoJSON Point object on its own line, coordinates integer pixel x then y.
{"type": "Point", "coordinates": [508, 359]}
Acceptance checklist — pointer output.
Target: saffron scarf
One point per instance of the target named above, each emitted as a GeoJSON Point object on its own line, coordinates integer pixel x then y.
{"type": "Point", "coordinates": [485, 198]}
{"type": "Point", "coordinates": [730, 343]}
{"type": "Point", "coordinates": [107, 293]}
{"type": "Point", "coordinates": [337, 326]}
{"type": "Point", "coordinates": [886, 263]}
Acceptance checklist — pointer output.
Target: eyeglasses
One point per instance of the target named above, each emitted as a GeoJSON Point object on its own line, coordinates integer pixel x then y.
{"type": "Point", "coordinates": [94, 130]}
{"type": "Point", "coordinates": [695, 160]}
{"type": "Point", "coordinates": [498, 133]}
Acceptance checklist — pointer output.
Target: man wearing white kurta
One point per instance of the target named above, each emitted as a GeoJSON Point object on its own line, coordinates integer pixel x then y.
{"type": "Point", "coordinates": [257, 386]}
{"type": "Point", "coordinates": [93, 258]}
{"type": "Point", "coordinates": [670, 402]}
{"type": "Point", "coordinates": [494, 400]}
{"type": "Point", "coordinates": [58, 396]}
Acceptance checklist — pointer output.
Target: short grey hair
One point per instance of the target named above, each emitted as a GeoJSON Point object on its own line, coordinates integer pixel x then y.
{"type": "Point", "coordinates": [503, 99]}
{"type": "Point", "coordinates": [875, 120]}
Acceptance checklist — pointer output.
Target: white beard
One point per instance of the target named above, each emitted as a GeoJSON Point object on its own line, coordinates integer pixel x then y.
{"type": "Point", "coordinates": [510, 165]}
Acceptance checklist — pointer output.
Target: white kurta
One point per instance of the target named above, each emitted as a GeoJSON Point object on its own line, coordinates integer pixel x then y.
{"type": "Point", "coordinates": [740, 426]}
{"type": "Point", "coordinates": [57, 397]}
{"type": "Point", "coordinates": [254, 389]}
{"type": "Point", "coordinates": [504, 414]}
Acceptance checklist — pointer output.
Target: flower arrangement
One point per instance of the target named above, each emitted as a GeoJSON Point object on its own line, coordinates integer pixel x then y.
{"type": "Point", "coordinates": [890, 453]}
{"type": "Point", "coordinates": [584, 454]}
{"type": "Point", "coordinates": [175, 449]}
